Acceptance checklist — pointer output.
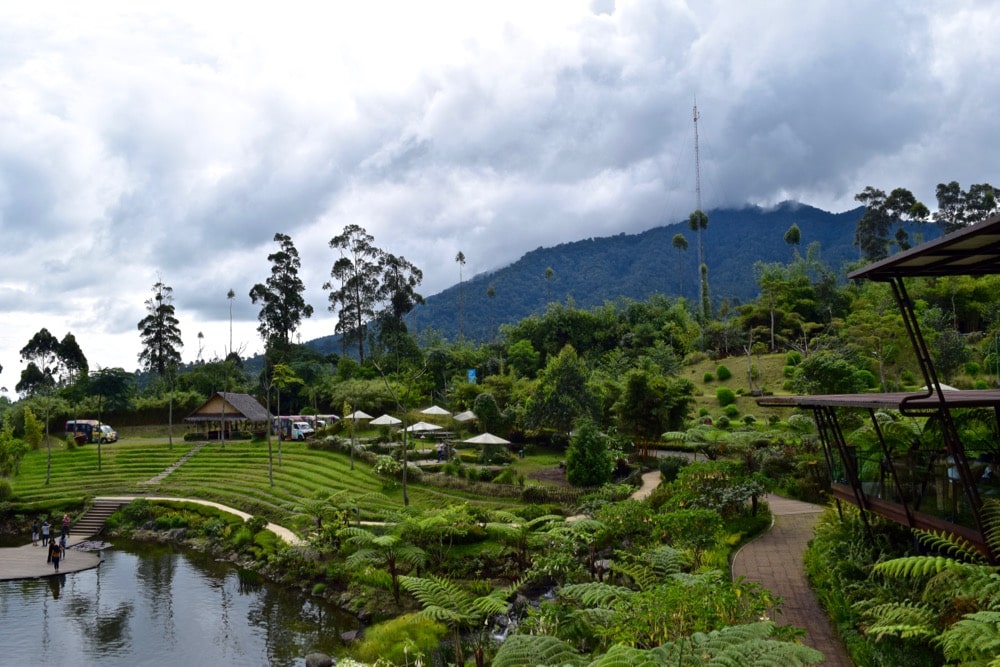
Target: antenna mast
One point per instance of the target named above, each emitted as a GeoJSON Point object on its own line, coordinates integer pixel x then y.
{"type": "Point", "coordinates": [697, 157]}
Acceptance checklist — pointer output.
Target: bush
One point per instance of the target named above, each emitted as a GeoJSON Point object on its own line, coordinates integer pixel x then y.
{"type": "Point", "coordinates": [731, 411]}
{"type": "Point", "coordinates": [137, 512]}
{"type": "Point", "coordinates": [670, 466]}
{"type": "Point", "coordinates": [708, 377]}
{"type": "Point", "coordinates": [972, 368]}
{"type": "Point", "coordinates": [788, 371]}
{"type": "Point", "coordinates": [6, 490]}
{"type": "Point", "coordinates": [793, 358]}
{"type": "Point", "coordinates": [402, 640]}
{"type": "Point", "coordinates": [588, 461]}
{"type": "Point", "coordinates": [723, 373]}
{"type": "Point", "coordinates": [725, 396]}
{"type": "Point", "coordinates": [534, 493]}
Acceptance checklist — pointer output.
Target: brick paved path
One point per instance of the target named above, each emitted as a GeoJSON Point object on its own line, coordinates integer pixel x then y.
{"type": "Point", "coordinates": [774, 560]}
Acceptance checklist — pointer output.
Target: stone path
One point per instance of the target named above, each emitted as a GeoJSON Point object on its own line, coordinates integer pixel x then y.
{"type": "Point", "coordinates": [774, 560]}
{"type": "Point", "coordinates": [177, 464]}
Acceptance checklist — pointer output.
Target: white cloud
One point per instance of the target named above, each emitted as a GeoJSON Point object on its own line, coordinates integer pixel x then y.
{"type": "Point", "coordinates": [174, 139]}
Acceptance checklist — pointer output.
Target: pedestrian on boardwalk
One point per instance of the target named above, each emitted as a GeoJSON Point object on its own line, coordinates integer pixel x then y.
{"type": "Point", "coordinates": [34, 533]}
{"type": "Point", "coordinates": [55, 553]}
{"type": "Point", "coordinates": [65, 525]}
{"type": "Point", "coordinates": [45, 532]}
{"type": "Point", "coordinates": [62, 546]}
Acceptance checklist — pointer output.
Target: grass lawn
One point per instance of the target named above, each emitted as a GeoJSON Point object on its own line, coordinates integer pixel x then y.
{"type": "Point", "coordinates": [235, 475]}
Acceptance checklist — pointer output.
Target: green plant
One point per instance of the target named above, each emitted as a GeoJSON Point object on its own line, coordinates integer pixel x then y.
{"type": "Point", "coordinates": [6, 490]}
{"type": "Point", "coordinates": [137, 512]}
{"type": "Point", "coordinates": [723, 373]}
{"type": "Point", "coordinates": [731, 411]}
{"type": "Point", "coordinates": [708, 377]}
{"type": "Point", "coordinates": [725, 396]}
{"type": "Point", "coordinates": [401, 640]}
{"type": "Point", "coordinates": [670, 465]}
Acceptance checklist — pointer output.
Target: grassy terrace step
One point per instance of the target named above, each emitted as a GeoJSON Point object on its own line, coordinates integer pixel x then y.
{"type": "Point", "coordinates": [236, 475]}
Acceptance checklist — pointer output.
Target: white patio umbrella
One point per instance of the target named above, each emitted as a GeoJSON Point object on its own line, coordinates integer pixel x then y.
{"type": "Point", "coordinates": [358, 414]}
{"type": "Point", "coordinates": [422, 426]}
{"type": "Point", "coordinates": [385, 420]}
{"type": "Point", "coordinates": [466, 416]}
{"type": "Point", "coordinates": [434, 410]}
{"type": "Point", "coordinates": [487, 439]}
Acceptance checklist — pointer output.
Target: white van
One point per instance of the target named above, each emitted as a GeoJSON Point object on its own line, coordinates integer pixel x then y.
{"type": "Point", "coordinates": [302, 430]}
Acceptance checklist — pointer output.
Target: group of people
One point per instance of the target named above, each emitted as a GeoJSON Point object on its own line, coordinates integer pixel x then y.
{"type": "Point", "coordinates": [56, 551]}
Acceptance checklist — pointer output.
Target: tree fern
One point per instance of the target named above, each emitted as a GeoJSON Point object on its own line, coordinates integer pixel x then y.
{"type": "Point", "coordinates": [915, 566]}
{"type": "Point", "coordinates": [594, 593]}
{"type": "Point", "coordinates": [536, 650]}
{"type": "Point", "coordinates": [952, 545]}
{"type": "Point", "coordinates": [906, 620]}
{"type": "Point", "coordinates": [974, 639]}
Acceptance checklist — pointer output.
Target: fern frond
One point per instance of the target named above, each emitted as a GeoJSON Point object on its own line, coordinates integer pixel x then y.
{"type": "Point", "coordinates": [901, 619]}
{"type": "Point", "coordinates": [914, 566]}
{"type": "Point", "coordinates": [626, 656]}
{"type": "Point", "coordinates": [534, 650]}
{"type": "Point", "coordinates": [594, 593]}
{"type": "Point", "coordinates": [435, 591]}
{"type": "Point", "coordinates": [974, 638]}
{"type": "Point", "coordinates": [952, 545]}
{"type": "Point", "coordinates": [666, 560]}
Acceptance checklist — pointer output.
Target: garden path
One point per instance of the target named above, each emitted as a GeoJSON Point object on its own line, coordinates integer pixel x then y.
{"type": "Point", "coordinates": [774, 560]}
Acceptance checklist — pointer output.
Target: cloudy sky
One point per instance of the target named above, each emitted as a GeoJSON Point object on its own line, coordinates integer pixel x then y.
{"type": "Point", "coordinates": [146, 141]}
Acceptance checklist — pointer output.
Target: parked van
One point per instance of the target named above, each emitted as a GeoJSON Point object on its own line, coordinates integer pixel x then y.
{"type": "Point", "coordinates": [302, 430]}
{"type": "Point", "coordinates": [90, 430]}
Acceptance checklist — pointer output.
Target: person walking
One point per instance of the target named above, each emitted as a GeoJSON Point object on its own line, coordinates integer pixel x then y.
{"type": "Point", "coordinates": [55, 553]}
{"type": "Point", "coordinates": [34, 533]}
{"type": "Point", "coordinates": [62, 546]}
{"type": "Point", "coordinates": [65, 525]}
{"type": "Point", "coordinates": [45, 532]}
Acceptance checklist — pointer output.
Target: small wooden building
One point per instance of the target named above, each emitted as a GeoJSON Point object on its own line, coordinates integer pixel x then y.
{"type": "Point", "coordinates": [236, 411]}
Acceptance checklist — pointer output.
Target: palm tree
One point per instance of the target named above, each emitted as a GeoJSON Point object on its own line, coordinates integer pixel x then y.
{"type": "Point", "coordinates": [680, 243]}
{"type": "Point", "coordinates": [460, 259]}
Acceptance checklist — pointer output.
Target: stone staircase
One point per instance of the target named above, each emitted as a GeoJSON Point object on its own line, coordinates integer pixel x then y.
{"type": "Point", "coordinates": [92, 522]}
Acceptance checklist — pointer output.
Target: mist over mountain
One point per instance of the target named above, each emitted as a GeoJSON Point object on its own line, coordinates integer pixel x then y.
{"type": "Point", "coordinates": [593, 271]}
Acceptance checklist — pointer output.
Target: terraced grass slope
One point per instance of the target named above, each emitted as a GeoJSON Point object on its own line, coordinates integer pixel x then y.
{"type": "Point", "coordinates": [235, 474]}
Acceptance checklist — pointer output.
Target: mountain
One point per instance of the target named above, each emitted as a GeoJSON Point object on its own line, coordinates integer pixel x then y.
{"type": "Point", "coordinates": [593, 271]}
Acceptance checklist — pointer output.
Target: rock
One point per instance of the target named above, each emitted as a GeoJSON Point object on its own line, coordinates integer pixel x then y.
{"type": "Point", "coordinates": [350, 635]}
{"type": "Point", "coordinates": [319, 660]}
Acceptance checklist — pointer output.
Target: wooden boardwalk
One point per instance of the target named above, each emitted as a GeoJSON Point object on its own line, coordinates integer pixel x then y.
{"type": "Point", "coordinates": [28, 562]}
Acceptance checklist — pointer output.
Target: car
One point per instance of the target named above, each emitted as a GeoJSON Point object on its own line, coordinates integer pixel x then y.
{"type": "Point", "coordinates": [108, 434]}
{"type": "Point", "coordinates": [302, 430]}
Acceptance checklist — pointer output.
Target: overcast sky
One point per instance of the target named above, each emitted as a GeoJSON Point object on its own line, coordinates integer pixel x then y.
{"type": "Point", "coordinates": [140, 143]}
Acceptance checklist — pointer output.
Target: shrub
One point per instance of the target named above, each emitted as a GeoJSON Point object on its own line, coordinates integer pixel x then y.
{"type": "Point", "coordinates": [788, 371]}
{"type": "Point", "coordinates": [137, 512]}
{"type": "Point", "coordinates": [708, 377]}
{"type": "Point", "coordinates": [6, 490]}
{"type": "Point", "coordinates": [689, 529]}
{"type": "Point", "coordinates": [722, 422]}
{"type": "Point", "coordinates": [731, 411]}
{"type": "Point", "coordinates": [256, 524]}
{"type": "Point", "coordinates": [972, 368]}
{"type": "Point", "coordinates": [725, 396]}
{"type": "Point", "coordinates": [749, 420]}
{"type": "Point", "coordinates": [402, 640]}
{"type": "Point", "coordinates": [723, 373]}
{"type": "Point", "coordinates": [793, 358]}
{"type": "Point", "coordinates": [533, 493]}
{"type": "Point", "coordinates": [670, 466]}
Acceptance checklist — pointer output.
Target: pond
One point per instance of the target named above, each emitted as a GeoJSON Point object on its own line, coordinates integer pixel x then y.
{"type": "Point", "coordinates": [152, 605]}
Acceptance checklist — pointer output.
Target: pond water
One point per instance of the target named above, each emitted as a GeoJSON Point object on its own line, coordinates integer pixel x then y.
{"type": "Point", "coordinates": [156, 606]}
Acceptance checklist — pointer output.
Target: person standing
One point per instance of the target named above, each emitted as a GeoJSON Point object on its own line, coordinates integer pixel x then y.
{"type": "Point", "coordinates": [45, 532]}
{"type": "Point", "coordinates": [62, 546]}
{"type": "Point", "coordinates": [55, 553]}
{"type": "Point", "coordinates": [34, 533]}
{"type": "Point", "coordinates": [65, 525]}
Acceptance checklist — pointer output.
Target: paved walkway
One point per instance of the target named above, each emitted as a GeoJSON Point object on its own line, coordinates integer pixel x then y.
{"type": "Point", "coordinates": [774, 560]}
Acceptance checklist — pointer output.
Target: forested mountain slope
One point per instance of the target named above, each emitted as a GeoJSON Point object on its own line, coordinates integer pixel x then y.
{"type": "Point", "coordinates": [592, 271]}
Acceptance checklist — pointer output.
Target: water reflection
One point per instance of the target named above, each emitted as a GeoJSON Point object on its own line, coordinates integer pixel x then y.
{"type": "Point", "coordinates": [159, 606]}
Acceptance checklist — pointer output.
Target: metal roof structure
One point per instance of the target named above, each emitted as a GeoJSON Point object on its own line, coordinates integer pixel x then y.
{"type": "Point", "coordinates": [970, 251]}
{"type": "Point", "coordinates": [932, 482]}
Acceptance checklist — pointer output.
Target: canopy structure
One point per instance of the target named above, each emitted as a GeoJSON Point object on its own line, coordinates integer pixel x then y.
{"type": "Point", "coordinates": [487, 439]}
{"type": "Point", "coordinates": [358, 415]}
{"type": "Point", "coordinates": [435, 410]}
{"type": "Point", "coordinates": [420, 427]}
{"type": "Point", "coordinates": [385, 420]}
{"type": "Point", "coordinates": [466, 416]}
